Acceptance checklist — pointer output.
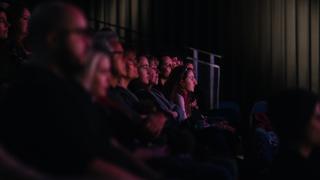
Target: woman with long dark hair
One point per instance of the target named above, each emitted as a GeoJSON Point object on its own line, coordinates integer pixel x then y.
{"type": "Point", "coordinates": [179, 86]}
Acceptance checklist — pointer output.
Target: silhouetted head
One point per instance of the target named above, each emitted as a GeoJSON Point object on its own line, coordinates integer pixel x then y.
{"type": "Point", "coordinates": [295, 115]}
{"type": "Point", "coordinates": [3, 24]}
{"type": "Point", "coordinates": [18, 17]}
{"type": "Point", "coordinates": [165, 67]}
{"type": "Point", "coordinates": [180, 79]}
{"type": "Point", "coordinates": [97, 74]}
{"type": "Point", "coordinates": [59, 32]}
{"type": "Point", "coordinates": [143, 69]}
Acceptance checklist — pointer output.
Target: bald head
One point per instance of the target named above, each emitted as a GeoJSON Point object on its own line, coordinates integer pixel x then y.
{"type": "Point", "coordinates": [58, 33]}
{"type": "Point", "coordinates": [52, 17]}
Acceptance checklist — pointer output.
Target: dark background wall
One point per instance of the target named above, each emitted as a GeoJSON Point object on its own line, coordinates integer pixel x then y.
{"type": "Point", "coordinates": [267, 45]}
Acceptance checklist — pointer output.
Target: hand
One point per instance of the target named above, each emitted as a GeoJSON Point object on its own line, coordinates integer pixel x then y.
{"type": "Point", "coordinates": [174, 114]}
{"type": "Point", "coordinates": [194, 104]}
{"type": "Point", "coordinates": [226, 126]}
{"type": "Point", "coordinates": [149, 153]}
{"type": "Point", "coordinates": [156, 123]}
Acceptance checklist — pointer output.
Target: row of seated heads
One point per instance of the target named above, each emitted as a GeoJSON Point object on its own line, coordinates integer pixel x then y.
{"type": "Point", "coordinates": [14, 21]}
{"type": "Point", "coordinates": [70, 30]}
{"type": "Point", "coordinates": [59, 32]}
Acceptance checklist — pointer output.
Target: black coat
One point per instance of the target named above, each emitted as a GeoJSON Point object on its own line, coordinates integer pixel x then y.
{"type": "Point", "coordinates": [50, 123]}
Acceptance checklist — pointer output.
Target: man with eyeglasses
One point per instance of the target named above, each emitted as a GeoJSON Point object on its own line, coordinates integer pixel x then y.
{"type": "Point", "coordinates": [49, 121]}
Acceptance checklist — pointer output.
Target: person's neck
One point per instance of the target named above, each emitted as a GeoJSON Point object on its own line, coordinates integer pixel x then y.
{"type": "Point", "coordinates": [305, 150]}
{"type": "Point", "coordinates": [123, 82]}
{"type": "Point", "coordinates": [163, 81]}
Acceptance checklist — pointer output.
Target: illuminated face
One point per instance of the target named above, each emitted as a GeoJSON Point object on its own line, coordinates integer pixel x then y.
{"type": "Point", "coordinates": [313, 129]}
{"type": "Point", "coordinates": [118, 60]}
{"type": "Point", "coordinates": [3, 26]}
{"type": "Point", "coordinates": [143, 70]}
{"type": "Point", "coordinates": [153, 75]}
{"type": "Point", "coordinates": [24, 21]}
{"type": "Point", "coordinates": [190, 82]}
{"type": "Point", "coordinates": [102, 77]}
{"type": "Point", "coordinates": [77, 41]}
{"type": "Point", "coordinates": [166, 67]}
{"type": "Point", "coordinates": [132, 70]}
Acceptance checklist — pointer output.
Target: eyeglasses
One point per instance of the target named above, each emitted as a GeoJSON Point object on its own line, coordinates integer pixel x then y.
{"type": "Point", "coordinates": [117, 53]}
{"type": "Point", "coordinates": [144, 66]}
{"type": "Point", "coordinates": [79, 31]}
{"type": "Point", "coordinates": [132, 62]}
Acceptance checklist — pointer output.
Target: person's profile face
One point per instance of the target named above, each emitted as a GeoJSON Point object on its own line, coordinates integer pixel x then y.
{"type": "Point", "coordinates": [77, 38]}
{"type": "Point", "coordinates": [313, 129]}
{"type": "Point", "coordinates": [166, 67]}
{"type": "Point", "coordinates": [118, 60]}
{"type": "Point", "coordinates": [153, 75]}
{"type": "Point", "coordinates": [189, 83]}
{"type": "Point", "coordinates": [154, 63]}
{"type": "Point", "coordinates": [3, 26]}
{"type": "Point", "coordinates": [132, 71]}
{"type": "Point", "coordinates": [174, 62]}
{"type": "Point", "coordinates": [143, 69]}
{"type": "Point", "coordinates": [24, 21]}
{"type": "Point", "coordinates": [102, 77]}
{"type": "Point", "coordinates": [190, 66]}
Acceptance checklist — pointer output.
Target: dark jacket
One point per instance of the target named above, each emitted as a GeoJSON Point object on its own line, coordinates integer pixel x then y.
{"type": "Point", "coordinates": [51, 123]}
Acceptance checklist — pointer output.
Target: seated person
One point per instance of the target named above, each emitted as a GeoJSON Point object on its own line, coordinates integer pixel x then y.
{"type": "Point", "coordinates": [165, 68]}
{"type": "Point", "coordinates": [143, 87]}
{"type": "Point", "coordinates": [295, 116]}
{"type": "Point", "coordinates": [178, 87]}
{"type": "Point", "coordinates": [142, 124]}
{"type": "Point", "coordinates": [48, 119]}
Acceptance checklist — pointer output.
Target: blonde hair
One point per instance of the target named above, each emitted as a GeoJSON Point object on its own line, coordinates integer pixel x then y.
{"type": "Point", "coordinates": [92, 63]}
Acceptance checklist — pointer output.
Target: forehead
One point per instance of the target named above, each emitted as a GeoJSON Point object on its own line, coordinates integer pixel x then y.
{"type": "Point", "coordinates": [117, 47]}
{"type": "Point", "coordinates": [154, 61]}
{"type": "Point", "coordinates": [76, 18]}
{"type": "Point", "coordinates": [167, 60]}
{"type": "Point", "coordinates": [26, 12]}
{"type": "Point", "coordinates": [131, 53]}
{"type": "Point", "coordinates": [143, 60]}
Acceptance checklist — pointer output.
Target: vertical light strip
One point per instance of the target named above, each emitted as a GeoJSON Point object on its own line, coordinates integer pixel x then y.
{"type": "Point", "coordinates": [314, 45]}
{"type": "Point", "coordinates": [303, 43]}
{"type": "Point", "coordinates": [290, 34]}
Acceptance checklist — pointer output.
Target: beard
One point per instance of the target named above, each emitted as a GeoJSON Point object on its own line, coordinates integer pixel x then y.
{"type": "Point", "coordinates": [67, 61]}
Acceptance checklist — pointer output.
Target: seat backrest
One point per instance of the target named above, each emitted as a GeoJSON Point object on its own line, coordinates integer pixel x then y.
{"type": "Point", "coordinates": [258, 107]}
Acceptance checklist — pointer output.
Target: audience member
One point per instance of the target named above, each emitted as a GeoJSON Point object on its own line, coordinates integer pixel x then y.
{"type": "Point", "coordinates": [295, 115]}
{"type": "Point", "coordinates": [178, 87]}
{"type": "Point", "coordinates": [165, 67]}
{"type": "Point", "coordinates": [18, 17]}
{"type": "Point", "coordinates": [3, 26]}
{"type": "Point", "coordinates": [79, 105]}
{"type": "Point", "coordinates": [49, 121]}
